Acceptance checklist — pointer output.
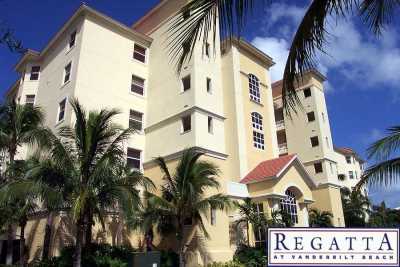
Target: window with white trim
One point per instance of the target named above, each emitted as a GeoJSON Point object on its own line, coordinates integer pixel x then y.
{"type": "Point", "coordinates": [67, 72]}
{"type": "Point", "coordinates": [258, 140]}
{"type": "Point", "coordinates": [72, 40]}
{"type": "Point", "coordinates": [139, 53]}
{"type": "Point", "coordinates": [186, 83]}
{"type": "Point", "coordinates": [135, 120]}
{"type": "Point", "coordinates": [259, 233]}
{"type": "Point", "coordinates": [207, 49]}
{"type": "Point", "coordinates": [35, 71]}
{"type": "Point", "coordinates": [137, 85]}
{"type": "Point", "coordinates": [186, 123]}
{"type": "Point", "coordinates": [210, 124]}
{"type": "Point", "coordinates": [258, 134]}
{"type": "Point", "coordinates": [30, 100]}
{"type": "Point", "coordinates": [348, 159]}
{"type": "Point", "coordinates": [61, 110]}
{"type": "Point", "coordinates": [289, 204]}
{"type": "Point", "coordinates": [209, 85]}
{"type": "Point", "coordinates": [133, 159]}
{"type": "Point", "coordinates": [351, 175]}
{"type": "Point", "coordinates": [254, 88]}
{"type": "Point", "coordinates": [256, 120]}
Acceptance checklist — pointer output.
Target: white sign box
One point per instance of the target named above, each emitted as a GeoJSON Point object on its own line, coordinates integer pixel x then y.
{"type": "Point", "coordinates": [333, 247]}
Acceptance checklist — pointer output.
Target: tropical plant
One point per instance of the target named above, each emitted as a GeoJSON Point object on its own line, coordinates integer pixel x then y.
{"type": "Point", "coordinates": [355, 207]}
{"type": "Point", "coordinates": [226, 264]}
{"type": "Point", "coordinates": [7, 38]}
{"type": "Point", "coordinates": [387, 171]}
{"type": "Point", "coordinates": [250, 256]}
{"type": "Point", "coordinates": [19, 125]}
{"type": "Point", "coordinates": [89, 160]}
{"type": "Point", "coordinates": [320, 218]}
{"type": "Point", "coordinates": [199, 19]}
{"type": "Point", "coordinates": [381, 216]}
{"type": "Point", "coordinates": [184, 200]}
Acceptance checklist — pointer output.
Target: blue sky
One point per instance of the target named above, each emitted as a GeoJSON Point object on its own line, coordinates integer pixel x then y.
{"type": "Point", "coordinates": [363, 89]}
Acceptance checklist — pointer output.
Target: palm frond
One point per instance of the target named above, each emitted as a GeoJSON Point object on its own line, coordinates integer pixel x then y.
{"type": "Point", "coordinates": [378, 13]}
{"type": "Point", "coordinates": [385, 173]}
{"type": "Point", "coordinates": [385, 146]}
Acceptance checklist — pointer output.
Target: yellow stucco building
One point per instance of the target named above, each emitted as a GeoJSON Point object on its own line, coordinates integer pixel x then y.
{"type": "Point", "coordinates": [222, 103]}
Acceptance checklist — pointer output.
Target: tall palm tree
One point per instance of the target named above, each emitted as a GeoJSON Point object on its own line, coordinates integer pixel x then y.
{"type": "Point", "coordinates": [320, 218]}
{"type": "Point", "coordinates": [386, 172]}
{"type": "Point", "coordinates": [19, 125]}
{"type": "Point", "coordinates": [199, 18]}
{"type": "Point", "coordinates": [355, 207]}
{"type": "Point", "coordinates": [89, 159]}
{"type": "Point", "coordinates": [184, 200]}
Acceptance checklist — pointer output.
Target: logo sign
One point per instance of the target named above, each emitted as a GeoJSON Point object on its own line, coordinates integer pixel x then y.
{"type": "Point", "coordinates": [333, 247]}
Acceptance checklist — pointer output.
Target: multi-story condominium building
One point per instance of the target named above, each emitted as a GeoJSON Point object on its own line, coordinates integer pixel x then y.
{"type": "Point", "coordinates": [350, 167]}
{"type": "Point", "coordinates": [222, 103]}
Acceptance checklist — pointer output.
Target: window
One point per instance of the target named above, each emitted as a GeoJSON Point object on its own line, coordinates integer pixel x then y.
{"type": "Point", "coordinates": [186, 123]}
{"type": "Point", "coordinates": [186, 83]}
{"type": "Point", "coordinates": [207, 49]}
{"type": "Point", "coordinates": [30, 100]}
{"type": "Point", "coordinates": [35, 70]}
{"type": "Point", "coordinates": [210, 125]}
{"type": "Point", "coordinates": [351, 175]}
{"type": "Point", "coordinates": [289, 205]}
{"type": "Point", "coordinates": [139, 53]}
{"type": "Point", "coordinates": [331, 165]}
{"type": "Point", "coordinates": [258, 140]}
{"type": "Point", "coordinates": [314, 141]}
{"type": "Point", "coordinates": [348, 159]}
{"type": "Point", "coordinates": [256, 120]}
{"type": "Point", "coordinates": [327, 142]}
{"type": "Point", "coordinates": [318, 167]}
{"type": "Point", "coordinates": [323, 117]}
{"type": "Point", "coordinates": [67, 72]}
{"type": "Point", "coordinates": [137, 85]}
{"type": "Point", "coordinates": [355, 174]}
{"type": "Point", "coordinates": [133, 159]}
{"type": "Point", "coordinates": [209, 85]}
{"type": "Point", "coordinates": [254, 88]}
{"type": "Point", "coordinates": [307, 92]}
{"type": "Point", "coordinates": [135, 120]}
{"type": "Point", "coordinates": [311, 116]}
{"type": "Point", "coordinates": [213, 216]}
{"type": "Point", "coordinates": [259, 233]}
{"type": "Point", "coordinates": [61, 110]}
{"type": "Point", "coordinates": [72, 39]}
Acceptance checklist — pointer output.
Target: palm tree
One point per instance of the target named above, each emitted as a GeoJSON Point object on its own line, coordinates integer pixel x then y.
{"type": "Point", "coordinates": [355, 207]}
{"type": "Point", "coordinates": [19, 125]}
{"type": "Point", "coordinates": [386, 172]}
{"type": "Point", "coordinates": [184, 200]}
{"type": "Point", "coordinates": [320, 218]}
{"type": "Point", "coordinates": [199, 19]}
{"type": "Point", "coordinates": [89, 160]}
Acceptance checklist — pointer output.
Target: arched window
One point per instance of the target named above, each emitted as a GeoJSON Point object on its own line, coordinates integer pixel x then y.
{"type": "Point", "coordinates": [254, 88]}
{"type": "Point", "coordinates": [256, 120]}
{"type": "Point", "coordinates": [258, 134]}
{"type": "Point", "coordinates": [289, 205]}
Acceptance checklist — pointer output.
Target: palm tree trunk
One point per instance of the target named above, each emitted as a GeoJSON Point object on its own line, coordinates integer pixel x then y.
{"type": "Point", "coordinates": [78, 244]}
{"type": "Point", "coordinates": [47, 236]}
{"type": "Point", "coordinates": [248, 234]}
{"type": "Point", "coordinates": [10, 238]}
{"type": "Point", "coordinates": [22, 242]}
{"type": "Point", "coordinates": [185, 243]}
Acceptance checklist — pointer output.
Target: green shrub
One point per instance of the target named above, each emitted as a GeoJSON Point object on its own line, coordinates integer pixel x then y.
{"type": "Point", "coordinates": [250, 256]}
{"type": "Point", "coordinates": [226, 264]}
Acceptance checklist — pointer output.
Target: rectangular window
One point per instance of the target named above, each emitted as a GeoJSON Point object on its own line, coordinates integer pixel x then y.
{"type": "Point", "coordinates": [30, 100]}
{"type": "Point", "coordinates": [133, 159]}
{"type": "Point", "coordinates": [209, 85]}
{"type": "Point", "coordinates": [186, 123]}
{"type": "Point", "coordinates": [327, 142]}
{"type": "Point", "coordinates": [307, 92]}
{"type": "Point", "coordinates": [137, 85]}
{"type": "Point", "coordinates": [213, 216]}
{"type": "Point", "coordinates": [135, 120]}
{"type": "Point", "coordinates": [331, 165]}
{"type": "Point", "coordinates": [186, 83]}
{"type": "Point", "coordinates": [318, 167]}
{"type": "Point", "coordinates": [348, 159]}
{"type": "Point", "coordinates": [258, 140]}
{"type": "Point", "coordinates": [72, 39]}
{"type": "Point", "coordinates": [259, 232]}
{"type": "Point", "coordinates": [67, 72]}
{"type": "Point", "coordinates": [207, 48]}
{"type": "Point", "coordinates": [61, 110]}
{"type": "Point", "coordinates": [314, 141]}
{"type": "Point", "coordinates": [323, 117]}
{"type": "Point", "coordinates": [35, 70]}
{"type": "Point", "coordinates": [311, 116]}
{"type": "Point", "coordinates": [210, 125]}
{"type": "Point", "coordinates": [355, 174]}
{"type": "Point", "coordinates": [139, 53]}
{"type": "Point", "coordinates": [351, 175]}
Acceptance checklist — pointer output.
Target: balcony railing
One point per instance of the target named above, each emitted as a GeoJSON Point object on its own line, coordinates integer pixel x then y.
{"type": "Point", "coordinates": [283, 149]}
{"type": "Point", "coordinates": [280, 125]}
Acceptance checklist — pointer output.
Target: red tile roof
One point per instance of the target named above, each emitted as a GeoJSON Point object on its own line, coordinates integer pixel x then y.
{"type": "Point", "coordinates": [268, 168]}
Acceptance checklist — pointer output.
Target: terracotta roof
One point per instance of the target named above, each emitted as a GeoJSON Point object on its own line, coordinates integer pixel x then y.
{"type": "Point", "coordinates": [268, 168]}
{"type": "Point", "coordinates": [348, 151]}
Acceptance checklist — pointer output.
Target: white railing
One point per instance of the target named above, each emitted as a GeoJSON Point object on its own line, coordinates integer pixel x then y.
{"type": "Point", "coordinates": [283, 149]}
{"type": "Point", "coordinates": [280, 124]}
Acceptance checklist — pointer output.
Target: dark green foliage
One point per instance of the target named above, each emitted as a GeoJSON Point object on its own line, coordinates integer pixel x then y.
{"type": "Point", "coordinates": [250, 256]}
{"type": "Point", "coordinates": [384, 217]}
{"type": "Point", "coordinates": [169, 259]}
{"type": "Point", "coordinates": [96, 255]}
{"type": "Point", "coordinates": [355, 207]}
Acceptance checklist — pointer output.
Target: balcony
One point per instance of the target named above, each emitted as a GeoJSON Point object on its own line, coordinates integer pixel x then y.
{"type": "Point", "coordinates": [280, 125]}
{"type": "Point", "coordinates": [283, 149]}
